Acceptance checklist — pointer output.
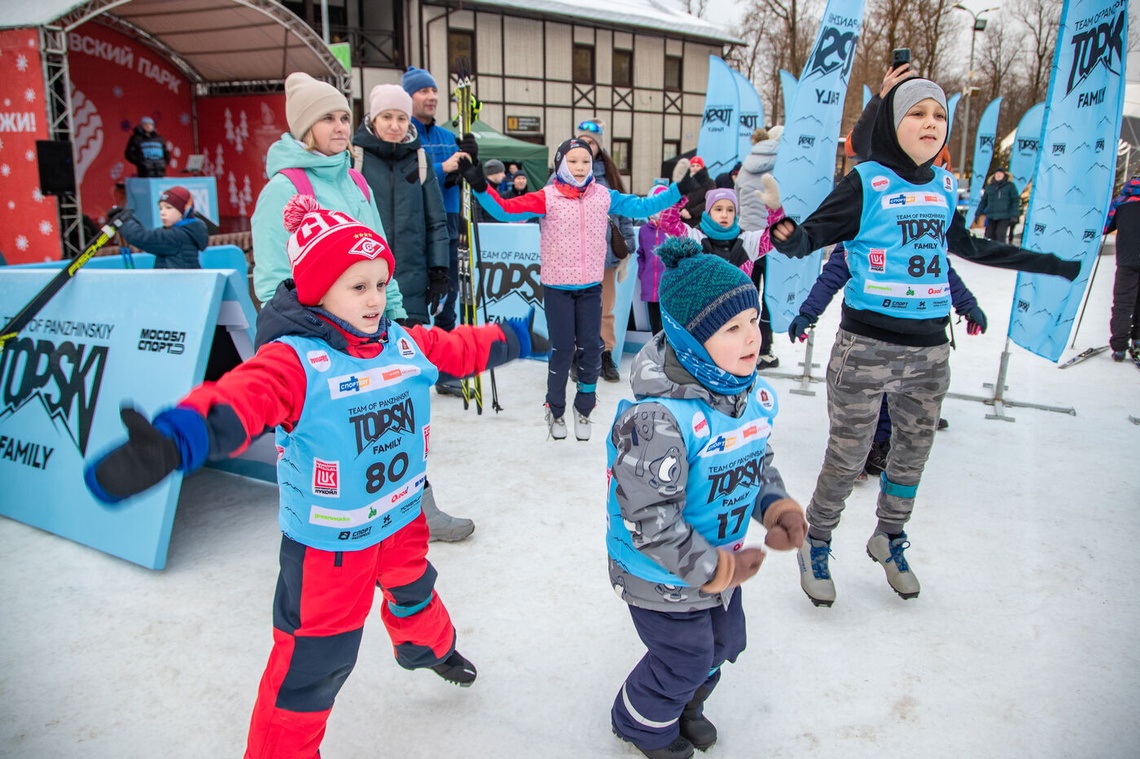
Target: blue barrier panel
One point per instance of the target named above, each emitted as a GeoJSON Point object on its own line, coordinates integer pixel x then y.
{"type": "Point", "coordinates": [108, 337]}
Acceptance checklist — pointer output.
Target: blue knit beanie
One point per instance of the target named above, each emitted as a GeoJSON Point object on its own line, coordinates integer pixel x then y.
{"type": "Point", "coordinates": [415, 79]}
{"type": "Point", "coordinates": [701, 291]}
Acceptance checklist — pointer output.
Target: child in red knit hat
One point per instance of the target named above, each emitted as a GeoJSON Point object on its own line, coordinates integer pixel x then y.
{"type": "Point", "coordinates": [349, 393]}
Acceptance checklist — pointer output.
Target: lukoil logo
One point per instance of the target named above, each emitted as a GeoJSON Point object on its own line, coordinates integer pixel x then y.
{"type": "Point", "coordinates": [880, 183]}
{"type": "Point", "coordinates": [326, 478]}
{"type": "Point", "coordinates": [319, 360]}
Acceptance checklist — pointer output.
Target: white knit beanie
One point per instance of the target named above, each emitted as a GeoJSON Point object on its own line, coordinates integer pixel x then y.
{"type": "Point", "coordinates": [389, 97]}
{"type": "Point", "coordinates": [307, 101]}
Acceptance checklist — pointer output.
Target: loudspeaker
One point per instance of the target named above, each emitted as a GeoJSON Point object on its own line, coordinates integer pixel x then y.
{"type": "Point", "coordinates": [57, 170]}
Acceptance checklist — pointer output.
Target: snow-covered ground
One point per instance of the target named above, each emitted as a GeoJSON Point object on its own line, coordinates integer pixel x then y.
{"type": "Point", "coordinates": [1022, 644]}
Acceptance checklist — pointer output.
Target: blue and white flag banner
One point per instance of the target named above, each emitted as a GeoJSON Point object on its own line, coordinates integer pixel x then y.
{"type": "Point", "coordinates": [951, 104]}
{"type": "Point", "coordinates": [805, 163]}
{"type": "Point", "coordinates": [1026, 146]}
{"type": "Point", "coordinates": [867, 95]}
{"type": "Point", "coordinates": [718, 141]}
{"type": "Point", "coordinates": [984, 142]}
{"type": "Point", "coordinates": [788, 87]}
{"type": "Point", "coordinates": [1076, 165]}
{"type": "Point", "coordinates": [751, 114]}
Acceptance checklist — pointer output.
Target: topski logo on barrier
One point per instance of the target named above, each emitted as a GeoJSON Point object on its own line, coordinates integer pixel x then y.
{"type": "Point", "coordinates": [65, 378]}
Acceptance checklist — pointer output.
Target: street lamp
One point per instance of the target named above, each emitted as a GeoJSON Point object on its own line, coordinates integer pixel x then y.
{"type": "Point", "coordinates": [979, 26]}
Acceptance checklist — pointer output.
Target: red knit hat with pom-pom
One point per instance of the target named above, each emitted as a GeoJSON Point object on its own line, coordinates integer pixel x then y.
{"type": "Point", "coordinates": [324, 243]}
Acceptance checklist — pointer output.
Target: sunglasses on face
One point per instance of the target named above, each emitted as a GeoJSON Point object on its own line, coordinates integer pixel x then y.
{"type": "Point", "coordinates": [590, 126]}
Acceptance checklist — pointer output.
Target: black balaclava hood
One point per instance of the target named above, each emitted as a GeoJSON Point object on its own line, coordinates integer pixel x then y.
{"type": "Point", "coordinates": [885, 148]}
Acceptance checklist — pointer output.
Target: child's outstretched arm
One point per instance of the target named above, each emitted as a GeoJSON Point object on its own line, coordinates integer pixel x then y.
{"type": "Point", "coordinates": [836, 220]}
{"type": "Point", "coordinates": [637, 207]}
{"type": "Point", "coordinates": [529, 206]}
{"type": "Point", "coordinates": [999, 255]}
{"type": "Point", "coordinates": [164, 241]}
{"type": "Point", "coordinates": [468, 350]}
{"type": "Point", "coordinates": [216, 420]}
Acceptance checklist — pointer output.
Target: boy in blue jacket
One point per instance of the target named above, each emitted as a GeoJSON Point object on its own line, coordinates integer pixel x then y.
{"type": "Point", "coordinates": [181, 238]}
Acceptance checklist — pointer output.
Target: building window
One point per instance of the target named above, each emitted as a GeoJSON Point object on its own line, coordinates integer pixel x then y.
{"type": "Point", "coordinates": [460, 44]}
{"type": "Point", "coordinates": [670, 149]}
{"type": "Point", "coordinates": [623, 68]}
{"type": "Point", "coordinates": [673, 73]}
{"type": "Point", "coordinates": [621, 155]}
{"type": "Point", "coordinates": [583, 64]}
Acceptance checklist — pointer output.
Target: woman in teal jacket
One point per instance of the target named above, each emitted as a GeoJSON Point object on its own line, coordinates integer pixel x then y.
{"type": "Point", "coordinates": [312, 158]}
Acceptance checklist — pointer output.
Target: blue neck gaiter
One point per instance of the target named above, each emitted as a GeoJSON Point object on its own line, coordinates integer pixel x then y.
{"type": "Point", "coordinates": [698, 363]}
{"type": "Point", "coordinates": [716, 231]}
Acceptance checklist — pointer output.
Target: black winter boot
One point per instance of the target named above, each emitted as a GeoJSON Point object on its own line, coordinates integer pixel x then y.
{"type": "Point", "coordinates": [678, 749]}
{"type": "Point", "coordinates": [456, 669]}
{"type": "Point", "coordinates": [609, 368]}
{"type": "Point", "coordinates": [877, 458]}
{"type": "Point", "coordinates": [695, 727]}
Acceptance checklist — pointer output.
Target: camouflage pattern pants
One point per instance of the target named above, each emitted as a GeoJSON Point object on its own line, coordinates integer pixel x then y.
{"type": "Point", "coordinates": [860, 372]}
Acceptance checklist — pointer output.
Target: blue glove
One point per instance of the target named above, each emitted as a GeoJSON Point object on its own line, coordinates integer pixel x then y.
{"type": "Point", "coordinates": [799, 327]}
{"type": "Point", "coordinates": [975, 321]}
{"type": "Point", "coordinates": [531, 343]}
{"type": "Point", "coordinates": [177, 440]}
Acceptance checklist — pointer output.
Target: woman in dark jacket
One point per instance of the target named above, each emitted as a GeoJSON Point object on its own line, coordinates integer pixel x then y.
{"type": "Point", "coordinates": [1001, 205]}
{"type": "Point", "coordinates": [408, 198]}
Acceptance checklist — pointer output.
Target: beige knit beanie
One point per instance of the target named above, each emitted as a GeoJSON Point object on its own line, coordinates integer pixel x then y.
{"type": "Point", "coordinates": [307, 101]}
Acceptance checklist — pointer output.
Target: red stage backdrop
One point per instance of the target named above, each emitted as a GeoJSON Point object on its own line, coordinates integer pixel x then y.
{"type": "Point", "coordinates": [115, 81]}
{"type": "Point", "coordinates": [29, 222]}
{"type": "Point", "coordinates": [235, 132]}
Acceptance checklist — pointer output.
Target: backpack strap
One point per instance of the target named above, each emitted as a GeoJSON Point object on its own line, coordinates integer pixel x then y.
{"type": "Point", "coordinates": [304, 186]}
{"type": "Point", "coordinates": [361, 182]}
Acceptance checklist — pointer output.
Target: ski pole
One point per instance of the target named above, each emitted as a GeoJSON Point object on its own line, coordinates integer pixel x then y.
{"type": "Point", "coordinates": [56, 283]}
{"type": "Point", "coordinates": [1088, 290]}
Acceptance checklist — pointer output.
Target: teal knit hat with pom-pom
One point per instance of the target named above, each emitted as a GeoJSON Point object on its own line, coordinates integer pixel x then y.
{"type": "Point", "coordinates": [702, 291]}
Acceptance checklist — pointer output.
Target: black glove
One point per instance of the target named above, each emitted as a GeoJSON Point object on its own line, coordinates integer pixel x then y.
{"type": "Point", "coordinates": [469, 146]}
{"type": "Point", "coordinates": [117, 215]}
{"type": "Point", "coordinates": [438, 286]}
{"type": "Point", "coordinates": [691, 182]}
{"type": "Point", "coordinates": [799, 327]}
{"type": "Point", "coordinates": [140, 463]}
{"type": "Point", "coordinates": [975, 321]}
{"type": "Point", "coordinates": [473, 173]}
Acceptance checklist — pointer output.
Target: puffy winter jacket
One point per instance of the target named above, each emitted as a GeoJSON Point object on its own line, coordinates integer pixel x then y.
{"type": "Point", "coordinates": [415, 223]}
{"type": "Point", "coordinates": [174, 247]}
{"type": "Point", "coordinates": [333, 188]}
{"type": "Point", "coordinates": [1000, 201]}
{"type": "Point", "coordinates": [761, 161]}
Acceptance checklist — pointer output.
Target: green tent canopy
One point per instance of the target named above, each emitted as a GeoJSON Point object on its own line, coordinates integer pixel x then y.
{"type": "Point", "coordinates": [493, 144]}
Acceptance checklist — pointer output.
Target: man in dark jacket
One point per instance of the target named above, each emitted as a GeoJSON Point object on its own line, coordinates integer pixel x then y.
{"type": "Point", "coordinates": [1001, 205]}
{"type": "Point", "coordinates": [147, 150]}
{"type": "Point", "coordinates": [1124, 324]}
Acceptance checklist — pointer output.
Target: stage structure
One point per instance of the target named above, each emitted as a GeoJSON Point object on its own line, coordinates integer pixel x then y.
{"type": "Point", "coordinates": [218, 47]}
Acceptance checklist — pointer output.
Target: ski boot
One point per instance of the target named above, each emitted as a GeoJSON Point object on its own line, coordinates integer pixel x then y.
{"type": "Point", "coordinates": [889, 552]}
{"type": "Point", "coordinates": [815, 577]}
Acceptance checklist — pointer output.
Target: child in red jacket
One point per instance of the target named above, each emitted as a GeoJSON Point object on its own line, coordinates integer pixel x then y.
{"type": "Point", "coordinates": [349, 393]}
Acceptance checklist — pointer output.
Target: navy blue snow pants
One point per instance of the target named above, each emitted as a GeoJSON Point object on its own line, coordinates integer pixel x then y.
{"type": "Point", "coordinates": [686, 651]}
{"type": "Point", "coordinates": [573, 317]}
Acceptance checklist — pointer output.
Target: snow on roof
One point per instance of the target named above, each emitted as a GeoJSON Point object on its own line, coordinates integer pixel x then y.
{"type": "Point", "coordinates": [20, 14]}
{"type": "Point", "coordinates": [639, 14]}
